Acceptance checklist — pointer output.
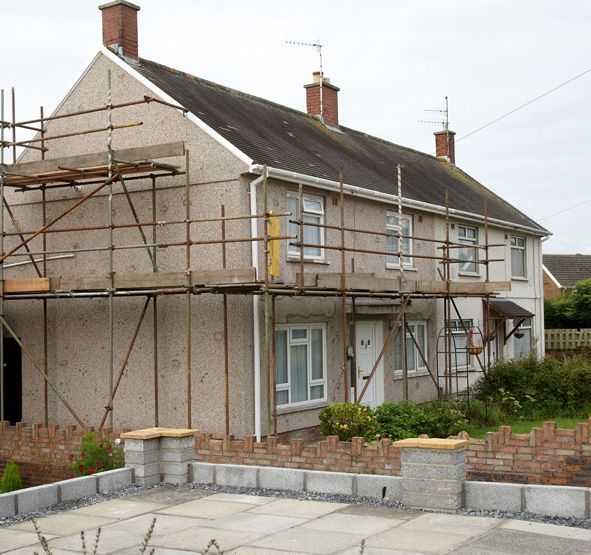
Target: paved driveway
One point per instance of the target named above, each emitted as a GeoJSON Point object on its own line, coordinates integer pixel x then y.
{"type": "Point", "coordinates": [186, 520]}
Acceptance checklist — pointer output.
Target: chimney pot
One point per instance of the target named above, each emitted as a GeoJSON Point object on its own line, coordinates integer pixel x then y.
{"type": "Point", "coordinates": [330, 100]}
{"type": "Point", "coordinates": [445, 145]}
{"type": "Point", "coordinates": [120, 27]}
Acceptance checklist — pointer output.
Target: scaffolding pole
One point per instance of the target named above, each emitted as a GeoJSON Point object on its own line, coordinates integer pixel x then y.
{"type": "Point", "coordinates": [188, 293]}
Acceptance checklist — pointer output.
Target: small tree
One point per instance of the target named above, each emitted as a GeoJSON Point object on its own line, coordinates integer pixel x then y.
{"type": "Point", "coordinates": [11, 478]}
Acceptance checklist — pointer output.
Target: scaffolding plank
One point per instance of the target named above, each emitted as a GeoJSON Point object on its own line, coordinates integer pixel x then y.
{"type": "Point", "coordinates": [223, 276]}
{"type": "Point", "coordinates": [39, 167]}
{"type": "Point", "coordinates": [157, 280]}
{"type": "Point", "coordinates": [33, 285]}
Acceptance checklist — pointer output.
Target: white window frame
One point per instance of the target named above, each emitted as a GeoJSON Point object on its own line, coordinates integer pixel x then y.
{"type": "Point", "coordinates": [465, 266]}
{"type": "Point", "coordinates": [294, 251]}
{"type": "Point", "coordinates": [458, 330]}
{"type": "Point", "coordinates": [525, 326]}
{"type": "Point", "coordinates": [311, 381]}
{"type": "Point", "coordinates": [420, 366]}
{"type": "Point", "coordinates": [393, 260]}
{"type": "Point", "coordinates": [514, 245]}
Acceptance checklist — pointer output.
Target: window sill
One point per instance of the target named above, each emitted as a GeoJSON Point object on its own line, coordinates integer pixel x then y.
{"type": "Point", "coordinates": [519, 278]}
{"type": "Point", "coordinates": [405, 268]}
{"type": "Point", "coordinates": [469, 274]}
{"type": "Point", "coordinates": [418, 374]}
{"type": "Point", "coordinates": [310, 405]}
{"type": "Point", "coordinates": [307, 260]}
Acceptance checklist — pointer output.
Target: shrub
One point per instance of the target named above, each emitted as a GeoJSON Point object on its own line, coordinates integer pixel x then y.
{"type": "Point", "coordinates": [483, 413]}
{"type": "Point", "coordinates": [96, 454]}
{"type": "Point", "coordinates": [348, 420]}
{"type": "Point", "coordinates": [538, 388]}
{"type": "Point", "coordinates": [444, 418]}
{"type": "Point", "coordinates": [401, 420]}
{"type": "Point", "coordinates": [11, 478]}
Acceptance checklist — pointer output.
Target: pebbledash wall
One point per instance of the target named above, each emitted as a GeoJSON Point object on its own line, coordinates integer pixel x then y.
{"type": "Point", "coordinates": [546, 455]}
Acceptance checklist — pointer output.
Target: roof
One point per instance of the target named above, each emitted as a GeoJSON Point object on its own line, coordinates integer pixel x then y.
{"type": "Point", "coordinates": [568, 269]}
{"type": "Point", "coordinates": [292, 140]}
{"type": "Point", "coordinates": [509, 309]}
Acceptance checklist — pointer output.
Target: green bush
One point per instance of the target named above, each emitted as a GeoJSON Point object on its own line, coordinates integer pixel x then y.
{"type": "Point", "coordinates": [444, 418]}
{"type": "Point", "coordinates": [401, 420]}
{"type": "Point", "coordinates": [572, 310]}
{"type": "Point", "coordinates": [11, 478]}
{"type": "Point", "coordinates": [483, 413]}
{"type": "Point", "coordinates": [534, 388]}
{"type": "Point", "coordinates": [96, 454]}
{"type": "Point", "coordinates": [348, 420]}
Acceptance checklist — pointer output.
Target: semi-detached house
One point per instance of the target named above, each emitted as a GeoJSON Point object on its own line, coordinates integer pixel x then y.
{"type": "Point", "coordinates": [233, 141]}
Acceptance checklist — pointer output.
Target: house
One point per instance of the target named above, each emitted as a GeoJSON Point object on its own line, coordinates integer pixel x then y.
{"type": "Point", "coordinates": [163, 298]}
{"type": "Point", "coordinates": [563, 271]}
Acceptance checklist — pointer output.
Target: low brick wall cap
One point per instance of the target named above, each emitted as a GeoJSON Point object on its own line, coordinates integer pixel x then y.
{"type": "Point", "coordinates": [432, 443]}
{"type": "Point", "coordinates": [151, 433]}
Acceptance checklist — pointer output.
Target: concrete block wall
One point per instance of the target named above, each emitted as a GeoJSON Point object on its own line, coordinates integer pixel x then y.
{"type": "Point", "coordinates": [40, 497]}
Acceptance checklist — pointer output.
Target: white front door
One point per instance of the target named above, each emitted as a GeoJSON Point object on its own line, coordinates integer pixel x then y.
{"type": "Point", "coordinates": [368, 339]}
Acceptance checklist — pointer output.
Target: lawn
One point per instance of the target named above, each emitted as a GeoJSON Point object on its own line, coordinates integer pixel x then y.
{"type": "Point", "coordinates": [524, 426]}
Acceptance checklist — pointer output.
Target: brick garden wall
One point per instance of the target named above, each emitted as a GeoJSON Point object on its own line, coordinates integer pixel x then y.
{"type": "Point", "coordinates": [546, 455]}
{"type": "Point", "coordinates": [41, 453]}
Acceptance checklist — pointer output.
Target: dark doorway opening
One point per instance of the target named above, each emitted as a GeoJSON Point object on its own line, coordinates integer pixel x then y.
{"type": "Point", "coordinates": [12, 386]}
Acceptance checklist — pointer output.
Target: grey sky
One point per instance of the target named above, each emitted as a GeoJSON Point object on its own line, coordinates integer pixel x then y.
{"type": "Point", "coordinates": [391, 59]}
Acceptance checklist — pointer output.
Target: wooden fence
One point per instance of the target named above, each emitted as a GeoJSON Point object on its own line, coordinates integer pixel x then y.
{"type": "Point", "coordinates": [565, 339]}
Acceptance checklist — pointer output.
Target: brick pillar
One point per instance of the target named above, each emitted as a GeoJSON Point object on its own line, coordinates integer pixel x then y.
{"type": "Point", "coordinates": [433, 473]}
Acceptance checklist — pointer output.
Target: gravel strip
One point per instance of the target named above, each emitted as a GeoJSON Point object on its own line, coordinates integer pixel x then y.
{"type": "Point", "coordinates": [210, 489]}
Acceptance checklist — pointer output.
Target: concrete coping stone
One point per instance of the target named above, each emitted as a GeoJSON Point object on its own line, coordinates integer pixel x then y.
{"type": "Point", "coordinates": [432, 443]}
{"type": "Point", "coordinates": [152, 433]}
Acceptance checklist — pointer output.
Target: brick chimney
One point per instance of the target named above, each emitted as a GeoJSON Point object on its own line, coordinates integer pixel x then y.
{"type": "Point", "coordinates": [120, 27]}
{"type": "Point", "coordinates": [445, 145]}
{"type": "Point", "coordinates": [330, 100]}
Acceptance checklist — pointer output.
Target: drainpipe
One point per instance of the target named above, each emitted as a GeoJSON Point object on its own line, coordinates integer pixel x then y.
{"type": "Point", "coordinates": [256, 332]}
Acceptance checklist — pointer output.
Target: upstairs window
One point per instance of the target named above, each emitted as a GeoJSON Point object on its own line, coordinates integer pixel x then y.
{"type": "Point", "coordinates": [399, 248]}
{"type": "Point", "coordinates": [469, 253]}
{"type": "Point", "coordinates": [518, 256]}
{"type": "Point", "coordinates": [313, 235]}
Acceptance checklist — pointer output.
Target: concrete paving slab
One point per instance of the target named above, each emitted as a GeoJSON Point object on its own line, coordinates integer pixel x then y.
{"type": "Point", "coordinates": [260, 524]}
{"type": "Point", "coordinates": [241, 498]}
{"type": "Point", "coordinates": [380, 512]}
{"type": "Point", "coordinates": [110, 540]}
{"type": "Point", "coordinates": [378, 551]}
{"type": "Point", "coordinates": [13, 539]}
{"type": "Point", "coordinates": [453, 524]}
{"type": "Point", "coordinates": [298, 508]}
{"type": "Point", "coordinates": [157, 551]}
{"type": "Point", "coordinates": [166, 495]}
{"type": "Point", "coordinates": [503, 540]}
{"type": "Point", "coordinates": [118, 508]}
{"type": "Point", "coordinates": [198, 539]}
{"type": "Point", "coordinates": [165, 524]}
{"type": "Point", "coordinates": [63, 524]}
{"type": "Point", "coordinates": [30, 549]}
{"type": "Point", "coordinates": [362, 525]}
{"type": "Point", "coordinates": [307, 540]}
{"type": "Point", "coordinates": [205, 508]}
{"type": "Point", "coordinates": [246, 550]}
{"type": "Point", "coordinates": [549, 530]}
{"type": "Point", "coordinates": [408, 539]}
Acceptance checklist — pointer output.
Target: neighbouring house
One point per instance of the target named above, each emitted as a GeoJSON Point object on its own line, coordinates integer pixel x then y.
{"type": "Point", "coordinates": [175, 329]}
{"type": "Point", "coordinates": [563, 271]}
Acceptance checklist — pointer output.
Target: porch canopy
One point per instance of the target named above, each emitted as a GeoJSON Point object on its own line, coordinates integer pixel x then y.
{"type": "Point", "coordinates": [508, 310]}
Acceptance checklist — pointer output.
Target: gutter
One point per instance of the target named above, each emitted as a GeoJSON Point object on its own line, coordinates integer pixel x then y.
{"type": "Point", "coordinates": [256, 331]}
{"type": "Point", "coordinates": [327, 184]}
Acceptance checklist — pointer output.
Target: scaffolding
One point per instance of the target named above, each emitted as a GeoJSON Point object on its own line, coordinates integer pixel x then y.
{"type": "Point", "coordinates": [112, 169]}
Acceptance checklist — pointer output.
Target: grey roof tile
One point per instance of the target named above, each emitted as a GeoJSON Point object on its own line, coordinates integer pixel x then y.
{"type": "Point", "coordinates": [568, 269]}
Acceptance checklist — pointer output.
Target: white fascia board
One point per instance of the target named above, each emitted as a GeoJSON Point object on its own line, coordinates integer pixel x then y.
{"type": "Point", "coordinates": [327, 184]}
{"type": "Point", "coordinates": [551, 276]}
{"type": "Point", "coordinates": [164, 96]}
